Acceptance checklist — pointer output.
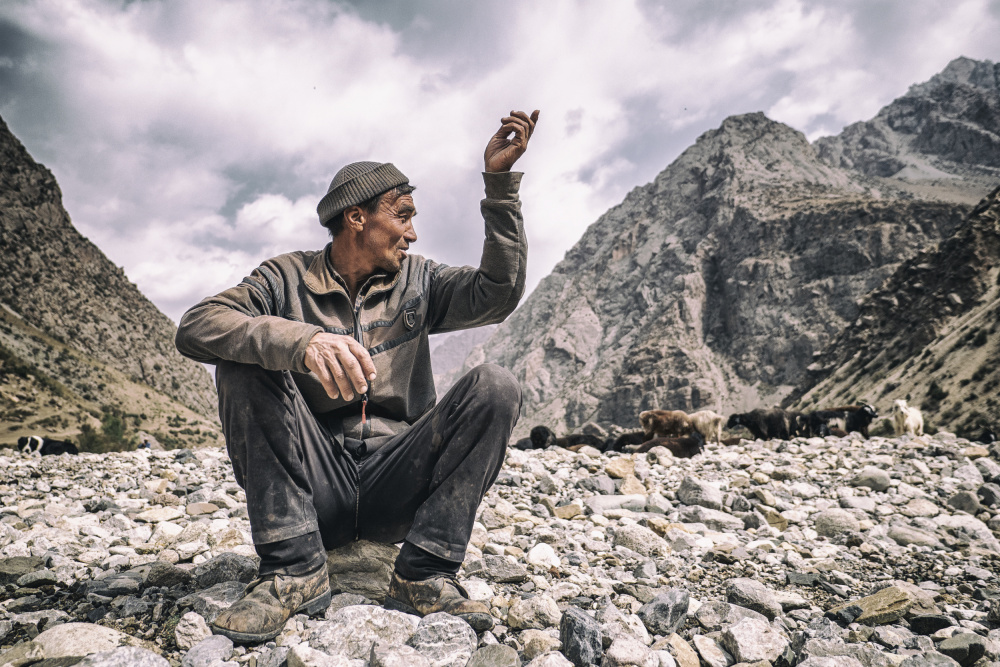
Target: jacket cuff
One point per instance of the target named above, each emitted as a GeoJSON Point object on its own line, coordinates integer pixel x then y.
{"type": "Point", "coordinates": [502, 184]}
{"type": "Point", "coordinates": [299, 355]}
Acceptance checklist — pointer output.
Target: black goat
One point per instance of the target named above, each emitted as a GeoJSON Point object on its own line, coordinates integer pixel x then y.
{"type": "Point", "coordinates": [34, 444]}
{"type": "Point", "coordinates": [683, 447]}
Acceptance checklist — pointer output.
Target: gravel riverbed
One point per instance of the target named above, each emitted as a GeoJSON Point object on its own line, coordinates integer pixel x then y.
{"type": "Point", "coordinates": [813, 552]}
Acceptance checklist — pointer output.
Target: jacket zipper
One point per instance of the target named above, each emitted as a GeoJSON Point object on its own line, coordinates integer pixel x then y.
{"type": "Point", "coordinates": [358, 336]}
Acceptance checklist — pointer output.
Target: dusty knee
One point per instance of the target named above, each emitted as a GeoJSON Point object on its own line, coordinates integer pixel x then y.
{"type": "Point", "coordinates": [496, 384]}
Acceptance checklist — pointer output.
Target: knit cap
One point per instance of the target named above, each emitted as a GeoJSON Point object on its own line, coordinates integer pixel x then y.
{"type": "Point", "coordinates": [356, 183]}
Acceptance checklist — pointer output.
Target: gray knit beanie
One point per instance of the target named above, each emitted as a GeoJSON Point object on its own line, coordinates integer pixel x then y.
{"type": "Point", "coordinates": [356, 183]}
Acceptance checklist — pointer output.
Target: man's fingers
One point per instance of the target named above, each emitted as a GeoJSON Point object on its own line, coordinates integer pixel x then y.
{"type": "Point", "coordinates": [327, 380]}
{"type": "Point", "coordinates": [528, 120]}
{"type": "Point", "coordinates": [336, 371]}
{"type": "Point", "coordinates": [364, 359]}
{"type": "Point", "coordinates": [518, 127]}
{"type": "Point", "coordinates": [353, 373]}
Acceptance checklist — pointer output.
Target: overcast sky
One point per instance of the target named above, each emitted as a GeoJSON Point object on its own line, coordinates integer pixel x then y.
{"type": "Point", "coordinates": [193, 139]}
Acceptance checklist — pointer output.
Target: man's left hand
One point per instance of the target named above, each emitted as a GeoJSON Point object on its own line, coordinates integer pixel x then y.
{"type": "Point", "coordinates": [503, 150]}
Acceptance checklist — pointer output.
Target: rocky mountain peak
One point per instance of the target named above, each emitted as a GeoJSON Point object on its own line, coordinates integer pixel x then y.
{"type": "Point", "coordinates": [718, 284]}
{"type": "Point", "coordinates": [961, 71]}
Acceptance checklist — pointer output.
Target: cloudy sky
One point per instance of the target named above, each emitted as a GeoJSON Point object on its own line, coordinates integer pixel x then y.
{"type": "Point", "coordinates": [193, 139]}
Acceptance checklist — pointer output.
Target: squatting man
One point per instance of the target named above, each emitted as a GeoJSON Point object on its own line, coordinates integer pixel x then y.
{"type": "Point", "coordinates": [327, 397]}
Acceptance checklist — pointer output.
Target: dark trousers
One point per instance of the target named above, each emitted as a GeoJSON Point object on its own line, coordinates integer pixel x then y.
{"type": "Point", "coordinates": [422, 486]}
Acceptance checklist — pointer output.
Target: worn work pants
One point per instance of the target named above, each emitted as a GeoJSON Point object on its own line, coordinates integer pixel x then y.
{"type": "Point", "coordinates": [423, 486]}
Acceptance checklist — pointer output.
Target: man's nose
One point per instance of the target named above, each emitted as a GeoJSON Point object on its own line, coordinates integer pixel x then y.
{"type": "Point", "coordinates": [410, 234]}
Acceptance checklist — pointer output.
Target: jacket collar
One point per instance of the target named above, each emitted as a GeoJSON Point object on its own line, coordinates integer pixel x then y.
{"type": "Point", "coordinates": [322, 278]}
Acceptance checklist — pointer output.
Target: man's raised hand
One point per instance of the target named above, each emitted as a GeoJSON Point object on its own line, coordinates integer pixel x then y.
{"type": "Point", "coordinates": [503, 150]}
{"type": "Point", "coordinates": [341, 363]}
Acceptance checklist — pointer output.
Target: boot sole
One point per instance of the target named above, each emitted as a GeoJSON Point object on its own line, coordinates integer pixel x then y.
{"type": "Point", "coordinates": [480, 622]}
{"type": "Point", "coordinates": [314, 606]}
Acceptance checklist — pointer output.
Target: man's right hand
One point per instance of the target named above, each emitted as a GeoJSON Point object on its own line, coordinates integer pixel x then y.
{"type": "Point", "coordinates": [341, 363]}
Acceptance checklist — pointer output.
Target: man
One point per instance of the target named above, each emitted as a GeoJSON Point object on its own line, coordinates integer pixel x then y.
{"type": "Point", "coordinates": [327, 398]}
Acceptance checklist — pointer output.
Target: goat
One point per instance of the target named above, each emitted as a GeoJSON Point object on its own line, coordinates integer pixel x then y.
{"type": "Point", "coordinates": [665, 423]}
{"type": "Point", "coordinates": [858, 417]}
{"type": "Point", "coordinates": [988, 437]}
{"type": "Point", "coordinates": [708, 423]}
{"type": "Point", "coordinates": [906, 420]}
{"type": "Point", "coordinates": [684, 447]}
{"type": "Point", "coordinates": [765, 424]}
{"type": "Point", "coordinates": [542, 437]}
{"type": "Point", "coordinates": [819, 421]}
{"type": "Point", "coordinates": [34, 444]}
{"type": "Point", "coordinates": [624, 440]}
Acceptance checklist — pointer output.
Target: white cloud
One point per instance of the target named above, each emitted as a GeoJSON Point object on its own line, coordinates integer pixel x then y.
{"type": "Point", "coordinates": [193, 139]}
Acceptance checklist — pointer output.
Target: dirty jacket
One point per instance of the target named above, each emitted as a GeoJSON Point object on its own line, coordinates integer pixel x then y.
{"type": "Point", "coordinates": [269, 318]}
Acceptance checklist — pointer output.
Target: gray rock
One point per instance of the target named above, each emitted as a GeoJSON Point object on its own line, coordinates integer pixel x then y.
{"type": "Point", "coordinates": [362, 567]}
{"type": "Point", "coordinates": [866, 654]}
{"type": "Point", "coordinates": [753, 595]}
{"type": "Point", "coordinates": [167, 575]}
{"type": "Point", "coordinates": [834, 521]}
{"type": "Point", "coordinates": [445, 640]}
{"type": "Point", "coordinates": [539, 612]}
{"type": "Point", "coordinates": [906, 535]}
{"type": "Point", "coordinates": [750, 640]}
{"type": "Point", "coordinates": [711, 653]}
{"type": "Point", "coordinates": [15, 567]}
{"type": "Point", "coordinates": [554, 659]}
{"type": "Point", "coordinates": [276, 657]}
{"type": "Point", "coordinates": [929, 659]}
{"type": "Point", "coordinates": [397, 656]}
{"type": "Point", "coordinates": [989, 494]}
{"type": "Point", "coordinates": [626, 651]}
{"type": "Point", "coordinates": [666, 612]}
{"type": "Point", "coordinates": [580, 635]}
{"type": "Point", "coordinates": [502, 570]}
{"type": "Point", "coordinates": [872, 477]}
{"type": "Point", "coordinates": [225, 567]}
{"type": "Point", "coordinates": [965, 501]}
{"type": "Point", "coordinates": [39, 578]}
{"type": "Point", "coordinates": [715, 615]}
{"type": "Point", "coordinates": [601, 504]}
{"type": "Point", "coordinates": [838, 661]}
{"type": "Point", "coordinates": [78, 639]}
{"type": "Point", "coordinates": [126, 656]}
{"type": "Point", "coordinates": [601, 484]}
{"type": "Point", "coordinates": [208, 652]}
{"type": "Point", "coordinates": [964, 648]}
{"type": "Point", "coordinates": [712, 518]}
{"type": "Point", "coordinates": [694, 491]}
{"type": "Point", "coordinates": [352, 631]}
{"type": "Point", "coordinates": [213, 601]}
{"type": "Point", "coordinates": [496, 655]}
{"type": "Point", "coordinates": [641, 540]}
{"type": "Point", "coordinates": [191, 630]}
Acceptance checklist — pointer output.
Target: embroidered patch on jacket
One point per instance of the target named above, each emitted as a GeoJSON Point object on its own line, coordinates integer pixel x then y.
{"type": "Point", "coordinates": [410, 318]}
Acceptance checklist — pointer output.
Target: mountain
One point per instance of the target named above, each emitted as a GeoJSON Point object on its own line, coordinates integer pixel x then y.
{"type": "Point", "coordinates": [939, 140]}
{"type": "Point", "coordinates": [77, 339]}
{"type": "Point", "coordinates": [718, 284]}
{"type": "Point", "coordinates": [930, 335]}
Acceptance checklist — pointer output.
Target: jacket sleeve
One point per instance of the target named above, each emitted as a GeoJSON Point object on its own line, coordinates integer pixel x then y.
{"type": "Point", "coordinates": [244, 324]}
{"type": "Point", "coordinates": [463, 297]}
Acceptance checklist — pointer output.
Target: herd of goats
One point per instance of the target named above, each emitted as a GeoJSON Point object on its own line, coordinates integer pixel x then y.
{"type": "Point", "coordinates": [685, 434]}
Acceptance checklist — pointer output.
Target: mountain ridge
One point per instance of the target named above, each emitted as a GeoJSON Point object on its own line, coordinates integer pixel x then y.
{"type": "Point", "coordinates": [717, 284]}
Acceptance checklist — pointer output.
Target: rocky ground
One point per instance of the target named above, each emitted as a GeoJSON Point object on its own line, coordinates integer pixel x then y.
{"type": "Point", "coordinates": [836, 552]}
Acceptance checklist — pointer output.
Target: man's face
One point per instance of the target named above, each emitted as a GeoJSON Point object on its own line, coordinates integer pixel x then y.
{"type": "Point", "coordinates": [389, 232]}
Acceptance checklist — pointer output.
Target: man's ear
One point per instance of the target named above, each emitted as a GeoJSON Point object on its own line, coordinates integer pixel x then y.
{"type": "Point", "coordinates": [354, 219]}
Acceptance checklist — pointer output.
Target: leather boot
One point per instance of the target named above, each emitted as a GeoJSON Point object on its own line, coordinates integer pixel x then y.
{"type": "Point", "coordinates": [441, 593]}
{"type": "Point", "coordinates": [269, 601]}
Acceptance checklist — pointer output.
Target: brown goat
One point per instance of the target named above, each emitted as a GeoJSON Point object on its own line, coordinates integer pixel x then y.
{"type": "Point", "coordinates": [665, 423]}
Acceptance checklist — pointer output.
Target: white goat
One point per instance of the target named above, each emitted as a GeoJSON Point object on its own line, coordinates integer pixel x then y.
{"type": "Point", "coordinates": [708, 423]}
{"type": "Point", "coordinates": [906, 419]}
